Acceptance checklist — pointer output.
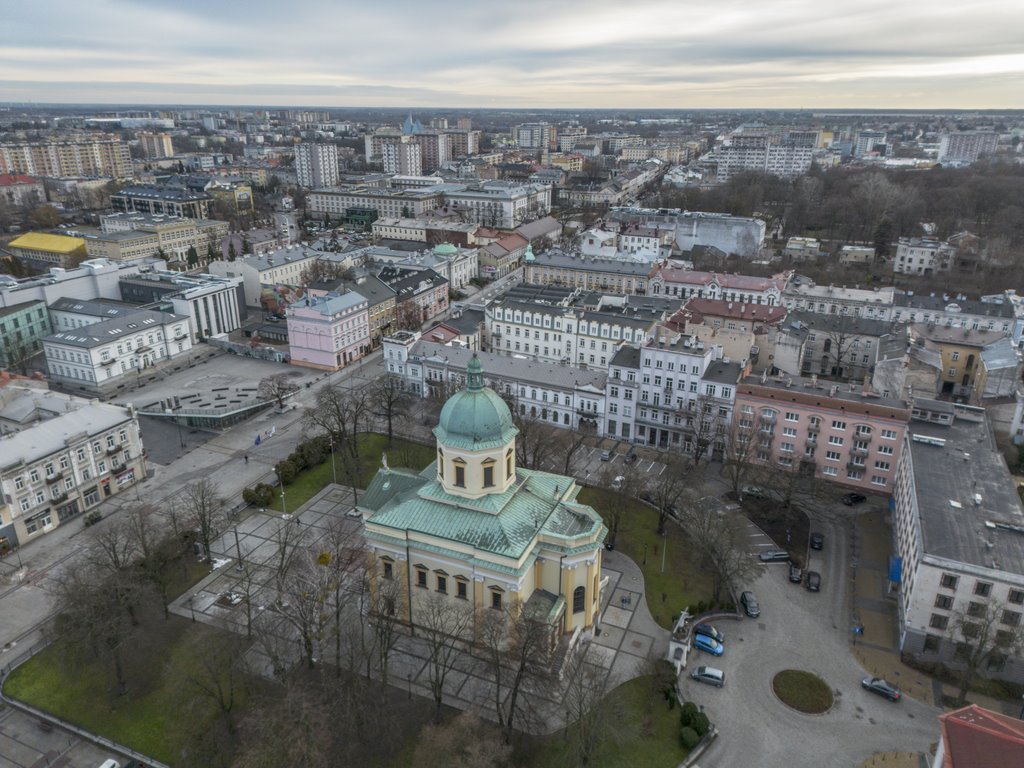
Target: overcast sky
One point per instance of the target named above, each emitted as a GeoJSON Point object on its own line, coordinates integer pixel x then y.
{"type": "Point", "coordinates": [528, 53]}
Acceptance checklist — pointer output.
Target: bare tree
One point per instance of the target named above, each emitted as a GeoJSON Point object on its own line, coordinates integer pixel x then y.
{"type": "Point", "coordinates": [390, 400]}
{"type": "Point", "coordinates": [342, 414]}
{"type": "Point", "coordinates": [443, 623]}
{"type": "Point", "coordinates": [667, 490]}
{"type": "Point", "coordinates": [721, 540]}
{"type": "Point", "coordinates": [740, 451]}
{"type": "Point", "coordinates": [320, 271]}
{"type": "Point", "coordinates": [203, 509]}
{"type": "Point", "coordinates": [705, 426]}
{"type": "Point", "coordinates": [986, 633]}
{"type": "Point", "coordinates": [211, 670]}
{"type": "Point", "coordinates": [409, 316]}
{"type": "Point", "coordinates": [568, 443]}
{"type": "Point", "coordinates": [278, 388]}
{"type": "Point", "coordinates": [303, 603]}
{"type": "Point", "coordinates": [462, 742]}
{"type": "Point", "coordinates": [385, 599]}
{"type": "Point", "coordinates": [628, 484]}
{"type": "Point", "coordinates": [590, 712]}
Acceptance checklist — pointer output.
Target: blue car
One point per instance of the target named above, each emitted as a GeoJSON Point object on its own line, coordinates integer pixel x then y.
{"type": "Point", "coordinates": [708, 645]}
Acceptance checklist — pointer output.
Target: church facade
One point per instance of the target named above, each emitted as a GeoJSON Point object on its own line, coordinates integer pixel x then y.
{"type": "Point", "coordinates": [476, 529]}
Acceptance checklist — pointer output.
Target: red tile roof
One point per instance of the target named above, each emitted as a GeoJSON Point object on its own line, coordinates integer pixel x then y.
{"type": "Point", "coordinates": [9, 180]}
{"type": "Point", "coordinates": [974, 737]}
{"type": "Point", "coordinates": [742, 282]}
{"type": "Point", "coordinates": [696, 309]}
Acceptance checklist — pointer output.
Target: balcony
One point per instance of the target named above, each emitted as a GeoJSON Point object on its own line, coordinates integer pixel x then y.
{"type": "Point", "coordinates": [812, 440]}
{"type": "Point", "coordinates": [111, 361]}
{"type": "Point", "coordinates": [814, 428]}
{"type": "Point", "coordinates": [60, 497]}
{"type": "Point", "coordinates": [768, 418]}
{"type": "Point", "coordinates": [113, 449]}
{"type": "Point", "coordinates": [853, 466]}
{"type": "Point", "coordinates": [54, 477]}
{"type": "Point", "coordinates": [143, 348]}
{"type": "Point", "coordinates": [857, 451]}
{"type": "Point", "coordinates": [118, 467]}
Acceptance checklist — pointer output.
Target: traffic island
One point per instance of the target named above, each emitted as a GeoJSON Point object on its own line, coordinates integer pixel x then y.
{"type": "Point", "coordinates": [803, 691]}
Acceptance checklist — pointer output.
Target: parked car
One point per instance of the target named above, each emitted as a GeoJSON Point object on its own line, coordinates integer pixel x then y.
{"type": "Point", "coordinates": [754, 492]}
{"type": "Point", "coordinates": [606, 454]}
{"type": "Point", "coordinates": [813, 581]}
{"type": "Point", "coordinates": [709, 675]}
{"type": "Point", "coordinates": [709, 631]}
{"type": "Point", "coordinates": [817, 541]}
{"type": "Point", "coordinates": [749, 602]}
{"type": "Point", "coordinates": [881, 687]}
{"type": "Point", "coordinates": [774, 556]}
{"type": "Point", "coordinates": [630, 455]}
{"type": "Point", "coordinates": [796, 574]}
{"type": "Point", "coordinates": [617, 482]}
{"type": "Point", "coordinates": [851, 499]}
{"type": "Point", "coordinates": [708, 645]}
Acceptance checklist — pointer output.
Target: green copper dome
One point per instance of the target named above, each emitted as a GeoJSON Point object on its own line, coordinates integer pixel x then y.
{"type": "Point", "coordinates": [476, 417]}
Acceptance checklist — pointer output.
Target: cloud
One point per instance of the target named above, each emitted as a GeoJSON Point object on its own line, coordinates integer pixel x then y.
{"type": "Point", "coordinates": [650, 53]}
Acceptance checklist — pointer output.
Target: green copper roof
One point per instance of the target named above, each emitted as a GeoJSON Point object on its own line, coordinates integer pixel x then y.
{"type": "Point", "coordinates": [445, 249]}
{"type": "Point", "coordinates": [476, 417]}
{"type": "Point", "coordinates": [538, 506]}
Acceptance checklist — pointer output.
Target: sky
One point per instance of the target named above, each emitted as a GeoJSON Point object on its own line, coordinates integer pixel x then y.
{"type": "Point", "coordinates": [657, 54]}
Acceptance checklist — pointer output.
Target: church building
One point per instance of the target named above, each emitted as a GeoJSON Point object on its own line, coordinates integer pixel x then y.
{"type": "Point", "coordinates": [474, 527]}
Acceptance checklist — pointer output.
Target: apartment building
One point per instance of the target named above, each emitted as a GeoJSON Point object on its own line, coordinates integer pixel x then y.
{"type": "Point", "coordinates": [156, 144]}
{"type": "Point", "coordinates": [64, 459]}
{"type": "Point", "coordinates": [68, 157]}
{"type": "Point", "coordinates": [741, 331]}
{"type": "Point", "coordinates": [42, 251]}
{"type": "Point", "coordinates": [382, 308]}
{"type": "Point", "coordinates": [281, 267]}
{"type": "Point", "coordinates": [556, 267]}
{"type": "Point", "coordinates": [329, 332]}
{"type": "Point", "coordinates": [426, 231]}
{"type": "Point", "coordinates": [964, 147]}
{"type": "Point", "coordinates": [872, 303]}
{"type": "Point", "coordinates": [535, 136]}
{"type": "Point", "coordinates": [166, 200]}
{"type": "Point", "coordinates": [684, 284]}
{"type": "Point", "coordinates": [968, 365]}
{"type": "Point", "coordinates": [840, 346]}
{"type": "Point", "coordinates": [316, 165]}
{"type": "Point", "coordinates": [998, 312]}
{"type": "Point", "coordinates": [420, 294]}
{"type": "Point", "coordinates": [959, 550]}
{"type": "Point", "coordinates": [435, 149]}
{"type": "Point", "coordinates": [558, 395]}
{"type": "Point", "coordinates": [842, 434]}
{"type": "Point", "coordinates": [101, 357]}
{"type": "Point", "coordinates": [18, 190]}
{"type": "Point", "coordinates": [389, 203]}
{"type": "Point", "coordinates": [763, 156]}
{"type": "Point", "coordinates": [402, 155]}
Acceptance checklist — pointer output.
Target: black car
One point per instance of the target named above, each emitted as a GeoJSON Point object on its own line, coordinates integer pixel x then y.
{"type": "Point", "coordinates": [817, 541]}
{"type": "Point", "coordinates": [774, 556]}
{"type": "Point", "coordinates": [813, 581]}
{"type": "Point", "coordinates": [854, 498]}
{"type": "Point", "coordinates": [881, 687]}
{"type": "Point", "coordinates": [709, 631]}
{"type": "Point", "coordinates": [750, 605]}
{"type": "Point", "coordinates": [796, 575]}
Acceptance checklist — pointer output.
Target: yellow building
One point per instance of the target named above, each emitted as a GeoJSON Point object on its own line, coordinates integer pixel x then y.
{"type": "Point", "coordinates": [40, 250]}
{"type": "Point", "coordinates": [474, 532]}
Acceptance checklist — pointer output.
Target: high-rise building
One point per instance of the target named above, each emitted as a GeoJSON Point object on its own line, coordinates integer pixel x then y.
{"type": "Point", "coordinates": [535, 135]}
{"type": "Point", "coordinates": [435, 149]}
{"type": "Point", "coordinates": [96, 155]}
{"type": "Point", "coordinates": [966, 146]}
{"type": "Point", "coordinates": [156, 144]}
{"type": "Point", "coordinates": [868, 142]}
{"type": "Point", "coordinates": [316, 165]}
{"type": "Point", "coordinates": [464, 123]}
{"type": "Point", "coordinates": [402, 155]}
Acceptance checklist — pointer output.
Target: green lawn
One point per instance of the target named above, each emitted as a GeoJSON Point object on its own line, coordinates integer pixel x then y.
{"type": "Point", "coordinates": [310, 482]}
{"type": "Point", "coordinates": [644, 733]}
{"type": "Point", "coordinates": [803, 691]}
{"type": "Point", "coordinates": [681, 584]}
{"type": "Point", "coordinates": [82, 692]}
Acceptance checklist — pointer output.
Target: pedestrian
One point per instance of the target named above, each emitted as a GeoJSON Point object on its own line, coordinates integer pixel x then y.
{"type": "Point", "coordinates": [247, 458]}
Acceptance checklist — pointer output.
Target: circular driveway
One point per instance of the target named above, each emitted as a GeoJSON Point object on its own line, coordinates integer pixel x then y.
{"type": "Point", "coordinates": [798, 629]}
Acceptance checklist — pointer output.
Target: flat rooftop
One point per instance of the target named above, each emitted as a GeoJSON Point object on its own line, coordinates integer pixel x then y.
{"type": "Point", "coordinates": [946, 477]}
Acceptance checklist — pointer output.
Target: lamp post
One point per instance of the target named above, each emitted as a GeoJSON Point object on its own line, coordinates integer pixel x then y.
{"type": "Point", "coordinates": [192, 608]}
{"type": "Point", "coordinates": [284, 508]}
{"type": "Point", "coordinates": [334, 470]}
{"type": "Point", "coordinates": [664, 548]}
{"type": "Point", "coordinates": [238, 549]}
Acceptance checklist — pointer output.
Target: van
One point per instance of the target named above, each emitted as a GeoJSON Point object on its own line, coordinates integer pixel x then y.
{"type": "Point", "coordinates": [709, 675]}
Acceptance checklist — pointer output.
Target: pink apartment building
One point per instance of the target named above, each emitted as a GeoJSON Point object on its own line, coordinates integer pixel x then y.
{"type": "Point", "coordinates": [848, 436]}
{"type": "Point", "coordinates": [329, 332]}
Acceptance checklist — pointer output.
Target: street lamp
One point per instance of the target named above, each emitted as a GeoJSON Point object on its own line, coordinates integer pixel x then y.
{"type": "Point", "coordinates": [334, 470]}
{"type": "Point", "coordinates": [191, 607]}
{"type": "Point", "coordinates": [238, 549]}
{"type": "Point", "coordinates": [284, 509]}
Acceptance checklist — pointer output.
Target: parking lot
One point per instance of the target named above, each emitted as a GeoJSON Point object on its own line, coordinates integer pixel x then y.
{"type": "Point", "coordinates": [798, 629]}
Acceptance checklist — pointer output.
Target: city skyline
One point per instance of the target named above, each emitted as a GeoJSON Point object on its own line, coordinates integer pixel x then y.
{"type": "Point", "coordinates": [654, 54]}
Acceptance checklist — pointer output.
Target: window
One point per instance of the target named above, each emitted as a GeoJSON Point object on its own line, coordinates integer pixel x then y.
{"type": "Point", "coordinates": [421, 577]}
{"type": "Point", "coordinates": [495, 599]}
{"type": "Point", "coordinates": [888, 434]}
{"type": "Point", "coordinates": [460, 474]}
{"type": "Point", "coordinates": [389, 570]}
{"type": "Point", "coordinates": [982, 589]}
{"type": "Point", "coordinates": [19, 482]}
{"type": "Point", "coordinates": [790, 416]}
{"type": "Point", "coordinates": [945, 602]}
{"type": "Point", "coordinates": [579, 599]}
{"type": "Point", "coordinates": [33, 476]}
{"type": "Point", "coordinates": [508, 463]}
{"type": "Point", "coordinates": [440, 463]}
{"type": "Point", "coordinates": [938, 621]}
{"type": "Point", "coordinates": [442, 585]}
{"type": "Point", "coordinates": [1011, 618]}
{"type": "Point", "coordinates": [931, 643]}
{"type": "Point", "coordinates": [975, 610]}
{"type": "Point", "coordinates": [489, 475]}
{"type": "Point", "coordinates": [835, 440]}
{"type": "Point", "coordinates": [882, 465]}
{"type": "Point", "coordinates": [949, 581]}
{"type": "Point", "coordinates": [461, 590]}
{"type": "Point", "coordinates": [1016, 596]}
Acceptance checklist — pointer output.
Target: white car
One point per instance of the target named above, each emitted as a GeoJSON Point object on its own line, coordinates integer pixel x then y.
{"type": "Point", "coordinates": [617, 482]}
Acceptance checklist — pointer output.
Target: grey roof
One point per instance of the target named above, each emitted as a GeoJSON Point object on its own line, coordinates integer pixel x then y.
{"type": "Point", "coordinates": [848, 324]}
{"type": "Point", "coordinates": [408, 282]}
{"type": "Point", "coordinates": [955, 304]}
{"type": "Point", "coordinates": [273, 259]}
{"type": "Point", "coordinates": [370, 286]}
{"type": "Point", "coordinates": [627, 356]}
{"type": "Point", "coordinates": [967, 464]}
{"type": "Point", "coordinates": [562, 260]}
{"type": "Point", "coordinates": [154, 192]}
{"type": "Point", "coordinates": [105, 309]}
{"type": "Point", "coordinates": [540, 228]}
{"type": "Point", "coordinates": [723, 373]}
{"type": "Point", "coordinates": [106, 331]}
{"type": "Point", "coordinates": [468, 322]}
{"type": "Point", "coordinates": [16, 308]}
{"type": "Point", "coordinates": [510, 367]}
{"type": "Point", "coordinates": [1000, 354]}
{"type": "Point", "coordinates": [50, 435]}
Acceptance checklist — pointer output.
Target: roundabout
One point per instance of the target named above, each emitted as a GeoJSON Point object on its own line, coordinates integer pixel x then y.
{"type": "Point", "coordinates": [803, 691]}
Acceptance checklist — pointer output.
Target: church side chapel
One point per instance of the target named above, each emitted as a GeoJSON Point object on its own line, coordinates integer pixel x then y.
{"type": "Point", "coordinates": [475, 528]}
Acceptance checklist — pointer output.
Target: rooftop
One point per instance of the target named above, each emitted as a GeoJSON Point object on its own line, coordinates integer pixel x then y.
{"type": "Point", "coordinates": [105, 309]}
{"type": "Point", "coordinates": [974, 737]}
{"type": "Point", "coordinates": [953, 304]}
{"type": "Point", "coordinates": [969, 510]}
{"type": "Point", "coordinates": [106, 331]}
{"type": "Point", "coordinates": [155, 192]}
{"type": "Point", "coordinates": [41, 241]}
{"type": "Point", "coordinates": [841, 293]}
{"type": "Point", "coordinates": [824, 394]}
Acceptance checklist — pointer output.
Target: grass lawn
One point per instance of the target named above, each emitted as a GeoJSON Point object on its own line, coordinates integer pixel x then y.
{"type": "Point", "coordinates": [644, 733]}
{"type": "Point", "coordinates": [82, 692]}
{"type": "Point", "coordinates": [802, 691]}
{"type": "Point", "coordinates": [310, 482]}
{"type": "Point", "coordinates": [682, 584]}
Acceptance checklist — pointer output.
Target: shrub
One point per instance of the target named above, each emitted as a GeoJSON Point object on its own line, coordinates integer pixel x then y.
{"type": "Point", "coordinates": [687, 712]}
{"type": "Point", "coordinates": [700, 724]}
{"type": "Point", "coordinates": [286, 472]}
{"type": "Point", "coordinates": [92, 518]}
{"type": "Point", "coordinates": [314, 451]}
{"type": "Point", "coordinates": [298, 460]}
{"type": "Point", "coordinates": [259, 495]}
{"type": "Point", "coordinates": [689, 738]}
